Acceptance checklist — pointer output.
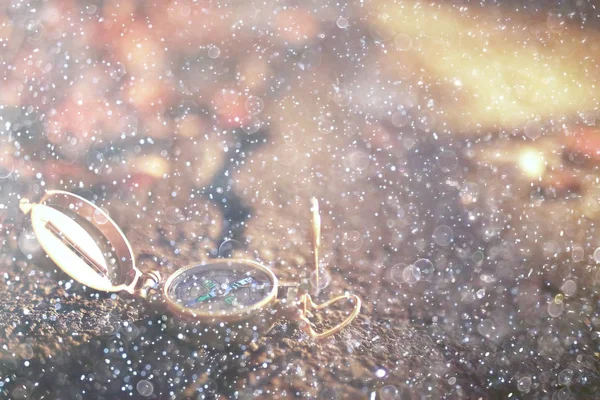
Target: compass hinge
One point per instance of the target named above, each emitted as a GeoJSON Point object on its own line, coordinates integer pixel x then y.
{"type": "Point", "coordinates": [148, 281]}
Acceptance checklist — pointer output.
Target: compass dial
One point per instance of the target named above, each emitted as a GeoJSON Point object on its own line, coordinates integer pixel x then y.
{"type": "Point", "coordinates": [224, 287]}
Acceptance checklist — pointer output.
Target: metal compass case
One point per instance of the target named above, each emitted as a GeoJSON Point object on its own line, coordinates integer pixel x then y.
{"type": "Point", "coordinates": [219, 302]}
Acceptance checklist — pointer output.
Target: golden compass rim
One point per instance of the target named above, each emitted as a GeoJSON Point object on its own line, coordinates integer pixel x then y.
{"type": "Point", "coordinates": [217, 317]}
{"type": "Point", "coordinates": [110, 230]}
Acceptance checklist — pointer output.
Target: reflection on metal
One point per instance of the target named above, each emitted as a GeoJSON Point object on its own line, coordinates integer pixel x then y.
{"type": "Point", "coordinates": [57, 222]}
{"type": "Point", "coordinates": [316, 237]}
{"type": "Point", "coordinates": [98, 267]}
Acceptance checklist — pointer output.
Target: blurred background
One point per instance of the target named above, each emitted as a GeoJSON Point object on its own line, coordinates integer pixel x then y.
{"type": "Point", "coordinates": [454, 147]}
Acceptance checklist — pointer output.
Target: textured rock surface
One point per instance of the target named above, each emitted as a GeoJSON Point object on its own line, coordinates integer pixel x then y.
{"type": "Point", "coordinates": [440, 336]}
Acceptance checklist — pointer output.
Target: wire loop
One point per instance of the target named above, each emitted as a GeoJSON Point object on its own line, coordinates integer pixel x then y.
{"type": "Point", "coordinates": [306, 302]}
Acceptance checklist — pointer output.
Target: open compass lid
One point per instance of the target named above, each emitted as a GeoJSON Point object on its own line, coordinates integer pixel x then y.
{"type": "Point", "coordinates": [71, 230]}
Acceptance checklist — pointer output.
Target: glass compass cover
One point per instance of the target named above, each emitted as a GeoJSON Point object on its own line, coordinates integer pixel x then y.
{"type": "Point", "coordinates": [224, 288]}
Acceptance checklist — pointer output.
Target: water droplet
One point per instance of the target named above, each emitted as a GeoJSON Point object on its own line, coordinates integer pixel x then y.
{"type": "Point", "coordinates": [36, 31]}
{"type": "Point", "coordinates": [555, 309]}
{"type": "Point", "coordinates": [533, 129]}
{"type": "Point", "coordinates": [352, 241]}
{"type": "Point", "coordinates": [577, 254]}
{"type": "Point", "coordinates": [486, 328]}
{"type": "Point", "coordinates": [28, 243]}
{"type": "Point", "coordinates": [99, 216]}
{"type": "Point", "coordinates": [524, 384]}
{"type": "Point", "coordinates": [397, 271]}
{"type": "Point", "coordinates": [254, 105]}
{"type": "Point", "coordinates": [19, 393]}
{"type": "Point", "coordinates": [324, 279]}
{"type": "Point", "coordinates": [25, 351]}
{"type": "Point", "coordinates": [292, 136]}
{"type": "Point", "coordinates": [358, 160]}
{"type": "Point", "coordinates": [380, 373]}
{"type": "Point", "coordinates": [214, 52]}
{"type": "Point", "coordinates": [309, 59]}
{"type": "Point", "coordinates": [288, 155]}
{"type": "Point", "coordinates": [447, 161]}
{"type": "Point", "coordinates": [94, 160]}
{"type": "Point", "coordinates": [565, 377]}
{"type": "Point", "coordinates": [411, 274]}
{"type": "Point", "coordinates": [400, 118]}
{"type": "Point", "coordinates": [325, 125]}
{"type": "Point", "coordinates": [7, 167]}
{"type": "Point", "coordinates": [145, 388]}
{"type": "Point", "coordinates": [425, 269]}
{"type": "Point", "coordinates": [425, 120]}
{"type": "Point", "coordinates": [342, 23]}
{"type": "Point", "coordinates": [563, 394]}
{"type": "Point", "coordinates": [109, 329]}
{"type": "Point", "coordinates": [403, 42]}
{"type": "Point", "coordinates": [477, 256]}
{"type": "Point", "coordinates": [174, 215]}
{"type": "Point", "coordinates": [443, 235]}
{"type": "Point", "coordinates": [555, 21]}
{"type": "Point", "coordinates": [569, 288]}
{"type": "Point", "coordinates": [408, 98]}
{"type": "Point", "coordinates": [389, 392]}
{"type": "Point", "coordinates": [210, 387]}
{"type": "Point", "coordinates": [250, 124]}
{"type": "Point", "coordinates": [230, 248]}
{"type": "Point", "coordinates": [469, 193]}
{"type": "Point", "coordinates": [91, 9]}
{"type": "Point", "coordinates": [117, 71]}
{"type": "Point", "coordinates": [597, 255]}
{"type": "Point", "coordinates": [342, 97]}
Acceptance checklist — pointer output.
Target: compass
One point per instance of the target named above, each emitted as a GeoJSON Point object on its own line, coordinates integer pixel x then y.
{"type": "Point", "coordinates": [217, 301]}
{"type": "Point", "coordinates": [223, 289]}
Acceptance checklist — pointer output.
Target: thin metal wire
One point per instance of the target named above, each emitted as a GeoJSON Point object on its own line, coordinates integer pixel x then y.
{"type": "Point", "coordinates": [316, 238]}
{"type": "Point", "coordinates": [306, 302]}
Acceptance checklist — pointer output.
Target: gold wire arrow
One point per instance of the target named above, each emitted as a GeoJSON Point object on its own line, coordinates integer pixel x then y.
{"type": "Point", "coordinates": [316, 237]}
{"type": "Point", "coordinates": [306, 303]}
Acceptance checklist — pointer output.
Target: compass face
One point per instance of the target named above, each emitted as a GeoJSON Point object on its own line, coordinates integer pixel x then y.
{"type": "Point", "coordinates": [224, 287]}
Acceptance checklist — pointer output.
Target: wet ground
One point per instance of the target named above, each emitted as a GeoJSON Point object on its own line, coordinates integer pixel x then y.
{"type": "Point", "coordinates": [204, 129]}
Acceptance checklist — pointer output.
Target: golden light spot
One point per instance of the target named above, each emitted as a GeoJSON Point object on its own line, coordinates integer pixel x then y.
{"type": "Point", "coordinates": [532, 163]}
